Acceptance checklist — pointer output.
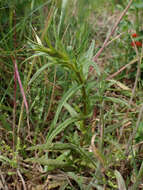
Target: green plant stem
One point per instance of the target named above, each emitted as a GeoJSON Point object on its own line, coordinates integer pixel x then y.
{"type": "Point", "coordinates": [84, 95]}
{"type": "Point", "coordinates": [137, 20]}
{"type": "Point", "coordinates": [138, 179]}
{"type": "Point", "coordinates": [84, 102]}
{"type": "Point", "coordinates": [102, 126]}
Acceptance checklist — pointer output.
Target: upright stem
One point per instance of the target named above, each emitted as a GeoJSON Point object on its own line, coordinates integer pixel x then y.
{"type": "Point", "coordinates": [83, 91]}
{"type": "Point", "coordinates": [102, 125]}
{"type": "Point", "coordinates": [112, 31]}
{"type": "Point", "coordinates": [84, 99]}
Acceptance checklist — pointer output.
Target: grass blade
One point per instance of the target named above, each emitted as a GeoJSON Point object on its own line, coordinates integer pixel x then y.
{"type": "Point", "coordinates": [39, 72]}
{"type": "Point", "coordinates": [67, 95]}
{"type": "Point", "coordinates": [62, 16]}
{"type": "Point", "coordinates": [120, 180]}
{"type": "Point", "coordinates": [60, 128]}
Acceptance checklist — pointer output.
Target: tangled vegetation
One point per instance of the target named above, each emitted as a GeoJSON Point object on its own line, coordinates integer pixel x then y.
{"type": "Point", "coordinates": [71, 88]}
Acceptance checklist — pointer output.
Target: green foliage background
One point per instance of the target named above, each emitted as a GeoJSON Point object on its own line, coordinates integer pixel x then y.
{"type": "Point", "coordinates": [77, 122]}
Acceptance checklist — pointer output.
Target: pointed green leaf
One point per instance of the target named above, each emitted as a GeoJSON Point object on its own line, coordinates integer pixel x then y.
{"type": "Point", "coordinates": [62, 16]}
{"type": "Point", "coordinates": [66, 96]}
{"type": "Point", "coordinates": [116, 100]}
{"type": "Point", "coordinates": [120, 181]}
{"type": "Point", "coordinates": [60, 128]}
{"type": "Point", "coordinates": [39, 72]}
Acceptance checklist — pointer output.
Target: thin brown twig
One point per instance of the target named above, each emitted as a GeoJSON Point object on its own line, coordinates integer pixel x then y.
{"type": "Point", "coordinates": [14, 110]}
{"type": "Point", "coordinates": [96, 152]}
{"type": "Point", "coordinates": [47, 23]}
{"type": "Point", "coordinates": [52, 95]}
{"type": "Point", "coordinates": [112, 31]}
{"type": "Point", "coordinates": [22, 180]}
{"type": "Point", "coordinates": [4, 184]}
{"type": "Point", "coordinates": [116, 37]}
{"type": "Point", "coordinates": [141, 110]}
{"type": "Point", "coordinates": [137, 75]}
{"type": "Point", "coordinates": [134, 131]}
{"type": "Point", "coordinates": [121, 69]}
{"type": "Point", "coordinates": [15, 83]}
